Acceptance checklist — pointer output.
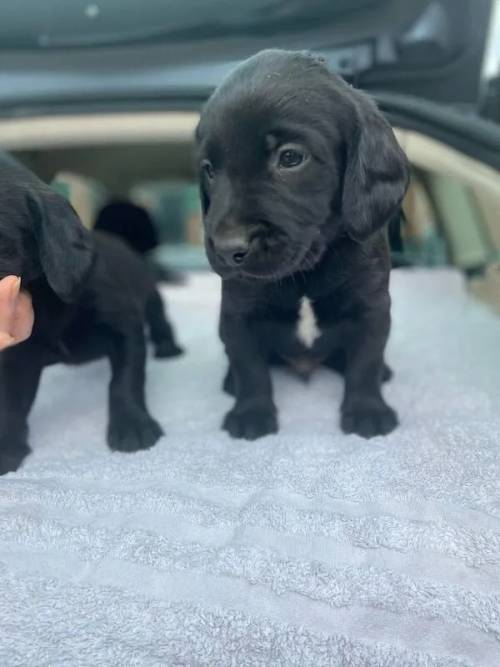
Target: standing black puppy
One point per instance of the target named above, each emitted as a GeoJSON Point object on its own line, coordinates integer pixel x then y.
{"type": "Point", "coordinates": [299, 175]}
{"type": "Point", "coordinates": [92, 297]}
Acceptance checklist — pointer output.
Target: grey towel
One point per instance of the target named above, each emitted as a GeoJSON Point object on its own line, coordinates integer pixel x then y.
{"type": "Point", "coordinates": [306, 548]}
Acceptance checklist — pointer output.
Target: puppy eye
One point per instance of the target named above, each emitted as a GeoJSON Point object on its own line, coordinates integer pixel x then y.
{"type": "Point", "coordinates": [208, 170]}
{"type": "Point", "coordinates": [289, 158]}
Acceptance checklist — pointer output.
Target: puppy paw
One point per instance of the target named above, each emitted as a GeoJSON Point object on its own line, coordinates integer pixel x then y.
{"type": "Point", "coordinates": [133, 430]}
{"type": "Point", "coordinates": [369, 419]}
{"type": "Point", "coordinates": [167, 348]}
{"type": "Point", "coordinates": [12, 453]}
{"type": "Point", "coordinates": [251, 423]}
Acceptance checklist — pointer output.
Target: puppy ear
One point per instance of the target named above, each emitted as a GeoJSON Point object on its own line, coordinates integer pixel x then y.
{"type": "Point", "coordinates": [64, 245]}
{"type": "Point", "coordinates": [376, 176]}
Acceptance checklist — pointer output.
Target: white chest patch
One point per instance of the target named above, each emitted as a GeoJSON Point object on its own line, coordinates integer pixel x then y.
{"type": "Point", "coordinates": [307, 324]}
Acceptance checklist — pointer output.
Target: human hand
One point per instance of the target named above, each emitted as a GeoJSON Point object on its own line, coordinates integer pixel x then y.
{"type": "Point", "coordinates": [16, 313]}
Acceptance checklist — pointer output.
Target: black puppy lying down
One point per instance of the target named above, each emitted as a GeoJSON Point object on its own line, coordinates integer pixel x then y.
{"type": "Point", "coordinates": [92, 297]}
{"type": "Point", "coordinates": [299, 176]}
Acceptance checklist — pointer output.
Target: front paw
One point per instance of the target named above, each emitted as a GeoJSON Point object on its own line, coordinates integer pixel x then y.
{"type": "Point", "coordinates": [368, 418]}
{"type": "Point", "coordinates": [130, 430]}
{"type": "Point", "coordinates": [13, 451]}
{"type": "Point", "coordinates": [251, 422]}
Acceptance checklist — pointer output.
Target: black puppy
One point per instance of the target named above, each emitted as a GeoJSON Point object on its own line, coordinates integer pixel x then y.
{"type": "Point", "coordinates": [133, 224]}
{"type": "Point", "coordinates": [299, 175]}
{"type": "Point", "coordinates": [92, 297]}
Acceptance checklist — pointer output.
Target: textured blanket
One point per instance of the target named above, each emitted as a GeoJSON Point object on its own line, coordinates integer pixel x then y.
{"type": "Point", "coordinates": [305, 548]}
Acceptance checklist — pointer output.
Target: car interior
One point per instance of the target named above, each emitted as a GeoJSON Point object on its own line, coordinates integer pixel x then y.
{"type": "Point", "coordinates": [310, 546]}
{"type": "Point", "coordinates": [450, 211]}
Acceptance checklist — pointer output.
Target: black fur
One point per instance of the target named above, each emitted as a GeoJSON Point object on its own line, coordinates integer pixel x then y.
{"type": "Point", "coordinates": [318, 229]}
{"type": "Point", "coordinates": [134, 225]}
{"type": "Point", "coordinates": [130, 222]}
{"type": "Point", "coordinates": [92, 297]}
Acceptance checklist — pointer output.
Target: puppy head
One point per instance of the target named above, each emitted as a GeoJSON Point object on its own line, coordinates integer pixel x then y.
{"type": "Point", "coordinates": [291, 158]}
{"type": "Point", "coordinates": [41, 235]}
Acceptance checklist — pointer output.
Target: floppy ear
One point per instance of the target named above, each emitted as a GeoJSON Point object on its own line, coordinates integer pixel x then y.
{"type": "Point", "coordinates": [377, 174]}
{"type": "Point", "coordinates": [64, 245]}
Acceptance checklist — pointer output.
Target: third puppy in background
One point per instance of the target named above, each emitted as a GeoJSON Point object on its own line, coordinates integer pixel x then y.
{"type": "Point", "coordinates": [299, 175]}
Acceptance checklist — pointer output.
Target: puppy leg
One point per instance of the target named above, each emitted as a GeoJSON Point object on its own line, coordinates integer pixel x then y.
{"type": "Point", "coordinates": [337, 362]}
{"type": "Point", "coordinates": [160, 328]}
{"type": "Point", "coordinates": [228, 384]}
{"type": "Point", "coordinates": [364, 410]}
{"type": "Point", "coordinates": [387, 373]}
{"type": "Point", "coordinates": [254, 412]}
{"type": "Point", "coordinates": [20, 371]}
{"type": "Point", "coordinates": [131, 427]}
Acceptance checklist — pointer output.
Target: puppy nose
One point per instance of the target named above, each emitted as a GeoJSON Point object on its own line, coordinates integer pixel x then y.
{"type": "Point", "coordinates": [232, 250]}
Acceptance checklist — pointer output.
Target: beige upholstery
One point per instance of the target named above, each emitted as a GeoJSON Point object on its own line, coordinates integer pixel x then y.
{"type": "Point", "coordinates": [121, 150]}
